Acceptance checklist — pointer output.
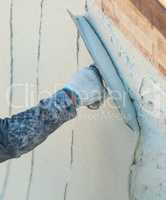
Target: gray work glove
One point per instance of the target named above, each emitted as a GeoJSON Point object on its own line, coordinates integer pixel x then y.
{"type": "Point", "coordinates": [87, 84]}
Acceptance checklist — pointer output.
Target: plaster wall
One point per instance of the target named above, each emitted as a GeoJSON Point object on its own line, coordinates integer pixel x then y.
{"type": "Point", "coordinates": [89, 157]}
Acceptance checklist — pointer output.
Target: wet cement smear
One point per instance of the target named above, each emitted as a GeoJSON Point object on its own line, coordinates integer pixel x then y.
{"type": "Point", "coordinates": [8, 167]}
{"type": "Point", "coordinates": [37, 95]}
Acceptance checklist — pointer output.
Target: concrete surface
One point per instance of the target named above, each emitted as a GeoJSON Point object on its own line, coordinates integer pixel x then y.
{"type": "Point", "coordinates": [87, 158]}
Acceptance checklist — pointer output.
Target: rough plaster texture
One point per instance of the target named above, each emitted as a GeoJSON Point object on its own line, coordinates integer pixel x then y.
{"type": "Point", "coordinates": [89, 157]}
{"type": "Point", "coordinates": [146, 87]}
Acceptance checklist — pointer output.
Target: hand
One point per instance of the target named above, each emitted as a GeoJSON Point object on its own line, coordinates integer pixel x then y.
{"type": "Point", "coordinates": [87, 84]}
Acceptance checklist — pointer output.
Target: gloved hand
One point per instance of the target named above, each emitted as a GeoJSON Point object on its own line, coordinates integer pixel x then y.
{"type": "Point", "coordinates": [88, 87]}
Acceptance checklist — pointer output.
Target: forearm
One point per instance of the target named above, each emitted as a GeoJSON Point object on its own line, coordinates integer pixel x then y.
{"type": "Point", "coordinates": [23, 132]}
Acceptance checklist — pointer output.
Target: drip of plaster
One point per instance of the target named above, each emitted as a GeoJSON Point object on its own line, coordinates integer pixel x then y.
{"type": "Point", "coordinates": [37, 95]}
{"type": "Point", "coordinates": [39, 46]}
{"type": "Point", "coordinates": [8, 167]}
{"type": "Point", "coordinates": [11, 58]}
{"type": "Point", "coordinates": [30, 176]}
{"type": "Point", "coordinates": [77, 48]}
{"type": "Point", "coordinates": [71, 148]}
{"type": "Point", "coordinates": [65, 191]}
{"type": "Point", "coordinates": [71, 164]}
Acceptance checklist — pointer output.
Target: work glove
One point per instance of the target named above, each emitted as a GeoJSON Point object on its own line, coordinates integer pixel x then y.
{"type": "Point", "coordinates": [88, 86]}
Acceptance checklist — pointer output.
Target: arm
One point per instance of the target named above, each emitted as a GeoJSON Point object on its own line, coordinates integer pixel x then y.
{"type": "Point", "coordinates": [23, 132]}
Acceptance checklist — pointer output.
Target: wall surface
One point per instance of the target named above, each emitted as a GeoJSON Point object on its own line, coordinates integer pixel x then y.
{"type": "Point", "coordinates": [89, 157]}
{"type": "Point", "coordinates": [146, 85]}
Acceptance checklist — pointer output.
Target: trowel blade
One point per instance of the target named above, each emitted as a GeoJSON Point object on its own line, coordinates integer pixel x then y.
{"type": "Point", "coordinates": [107, 69]}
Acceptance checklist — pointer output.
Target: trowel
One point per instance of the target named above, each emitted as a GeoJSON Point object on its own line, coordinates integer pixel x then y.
{"type": "Point", "coordinates": [105, 65]}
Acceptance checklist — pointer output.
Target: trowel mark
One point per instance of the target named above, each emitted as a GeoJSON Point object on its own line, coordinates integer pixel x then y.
{"type": "Point", "coordinates": [37, 94]}
{"type": "Point", "coordinates": [86, 5]}
{"type": "Point", "coordinates": [39, 45]}
{"type": "Point", "coordinates": [71, 149]}
{"type": "Point", "coordinates": [66, 190]}
{"type": "Point", "coordinates": [71, 163]}
{"type": "Point", "coordinates": [8, 167]}
{"type": "Point", "coordinates": [77, 48]}
{"type": "Point", "coordinates": [31, 176]}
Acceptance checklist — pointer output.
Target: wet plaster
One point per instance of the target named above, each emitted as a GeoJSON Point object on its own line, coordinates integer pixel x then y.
{"type": "Point", "coordinates": [146, 88]}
